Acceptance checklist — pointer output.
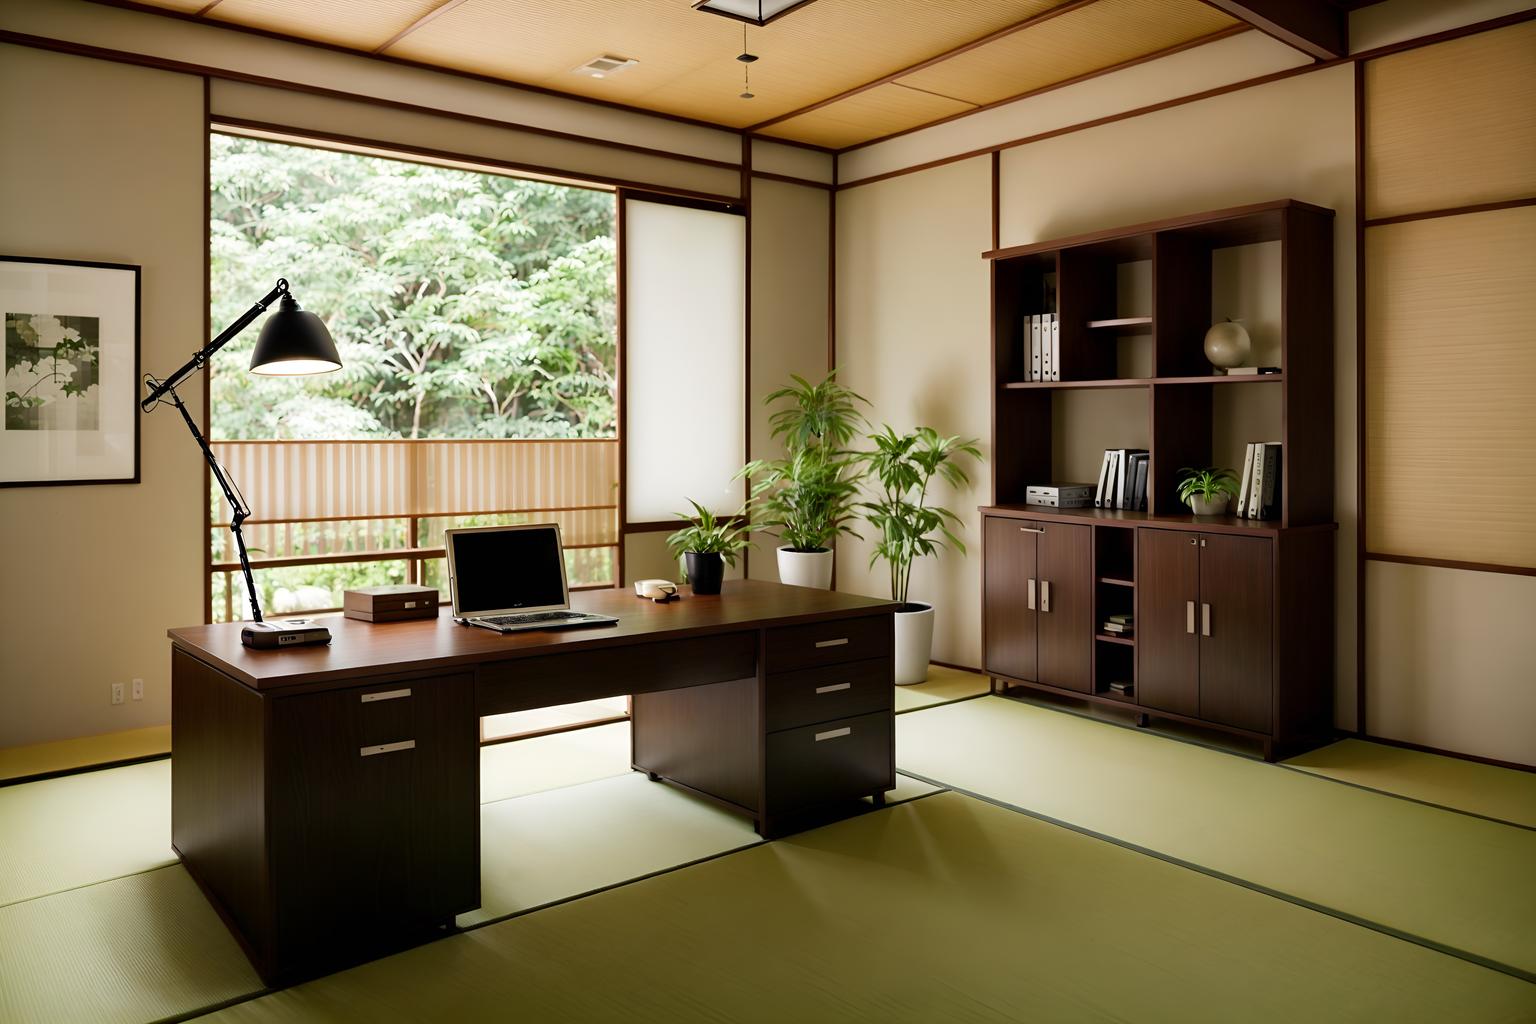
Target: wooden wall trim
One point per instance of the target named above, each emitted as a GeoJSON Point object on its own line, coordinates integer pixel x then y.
{"type": "Point", "coordinates": [1317, 28]}
{"type": "Point", "coordinates": [746, 327]}
{"type": "Point", "coordinates": [1453, 211]}
{"type": "Point", "coordinates": [207, 415]}
{"type": "Point", "coordinates": [1248, 83]}
{"type": "Point", "coordinates": [510, 166]}
{"type": "Point", "coordinates": [1214, 37]}
{"type": "Point", "coordinates": [1360, 392]}
{"type": "Point", "coordinates": [1406, 745]}
{"type": "Point", "coordinates": [1447, 563]}
{"type": "Point", "coordinates": [130, 5]}
{"type": "Point", "coordinates": [790, 179]}
{"type": "Point", "coordinates": [621, 383]}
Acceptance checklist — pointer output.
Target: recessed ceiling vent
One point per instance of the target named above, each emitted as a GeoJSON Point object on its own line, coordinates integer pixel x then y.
{"type": "Point", "coordinates": [605, 66]}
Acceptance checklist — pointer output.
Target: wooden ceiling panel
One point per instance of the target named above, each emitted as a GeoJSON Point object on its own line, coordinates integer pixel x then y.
{"type": "Point", "coordinates": [687, 59]}
{"type": "Point", "coordinates": [874, 112]}
{"type": "Point", "coordinates": [361, 26]}
{"type": "Point", "coordinates": [1079, 42]}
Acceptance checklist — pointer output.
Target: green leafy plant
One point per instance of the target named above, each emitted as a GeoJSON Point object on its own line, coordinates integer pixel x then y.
{"type": "Point", "coordinates": [1210, 483]}
{"type": "Point", "coordinates": [809, 496]}
{"type": "Point", "coordinates": [707, 533]}
{"type": "Point", "coordinates": [908, 527]}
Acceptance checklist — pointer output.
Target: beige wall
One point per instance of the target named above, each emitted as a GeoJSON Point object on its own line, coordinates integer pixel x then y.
{"type": "Point", "coordinates": [912, 287]}
{"type": "Point", "coordinates": [789, 312]}
{"type": "Point", "coordinates": [912, 337]}
{"type": "Point", "coordinates": [106, 162]}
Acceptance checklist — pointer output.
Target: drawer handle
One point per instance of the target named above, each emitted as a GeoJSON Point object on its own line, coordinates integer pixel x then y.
{"type": "Point", "coordinates": [369, 698]}
{"type": "Point", "coordinates": [387, 748]}
{"type": "Point", "coordinates": [834, 687]}
{"type": "Point", "coordinates": [1029, 529]}
{"type": "Point", "coordinates": [833, 734]}
{"type": "Point", "coordinates": [840, 641]}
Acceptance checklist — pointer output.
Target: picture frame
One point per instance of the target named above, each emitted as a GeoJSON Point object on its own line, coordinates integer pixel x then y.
{"type": "Point", "coordinates": [71, 359]}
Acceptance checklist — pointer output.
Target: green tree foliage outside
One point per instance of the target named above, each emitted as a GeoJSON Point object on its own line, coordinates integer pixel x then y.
{"type": "Point", "coordinates": [463, 304]}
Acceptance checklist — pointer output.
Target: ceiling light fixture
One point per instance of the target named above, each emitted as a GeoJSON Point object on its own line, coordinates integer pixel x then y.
{"type": "Point", "coordinates": [604, 66]}
{"type": "Point", "coordinates": [746, 64]}
{"type": "Point", "coordinates": [753, 12]}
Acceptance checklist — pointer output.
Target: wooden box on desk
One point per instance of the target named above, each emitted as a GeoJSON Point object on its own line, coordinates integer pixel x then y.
{"type": "Point", "coordinates": [391, 604]}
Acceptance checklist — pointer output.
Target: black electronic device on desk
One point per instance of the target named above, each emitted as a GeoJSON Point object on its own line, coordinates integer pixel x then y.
{"type": "Point", "coordinates": [511, 579]}
{"type": "Point", "coordinates": [269, 636]}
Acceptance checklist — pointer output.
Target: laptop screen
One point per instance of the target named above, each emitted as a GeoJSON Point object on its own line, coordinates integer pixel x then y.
{"type": "Point", "coordinates": [508, 567]}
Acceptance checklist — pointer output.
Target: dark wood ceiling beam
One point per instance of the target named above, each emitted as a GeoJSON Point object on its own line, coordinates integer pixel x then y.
{"type": "Point", "coordinates": [210, 5]}
{"type": "Point", "coordinates": [1315, 27]}
{"type": "Point", "coordinates": [438, 11]}
{"type": "Point", "coordinates": [990, 37]}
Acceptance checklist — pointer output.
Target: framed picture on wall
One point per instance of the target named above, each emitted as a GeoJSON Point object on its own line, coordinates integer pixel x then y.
{"type": "Point", "coordinates": [71, 372]}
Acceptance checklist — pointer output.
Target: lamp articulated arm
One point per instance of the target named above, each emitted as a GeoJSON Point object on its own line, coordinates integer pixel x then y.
{"type": "Point", "coordinates": [200, 359]}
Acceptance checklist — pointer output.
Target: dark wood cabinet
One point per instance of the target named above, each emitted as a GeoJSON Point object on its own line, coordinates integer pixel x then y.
{"type": "Point", "coordinates": [1038, 582]}
{"type": "Point", "coordinates": [1168, 643]}
{"type": "Point", "coordinates": [1236, 631]}
{"type": "Point", "coordinates": [1206, 627]}
{"type": "Point", "coordinates": [1232, 618]}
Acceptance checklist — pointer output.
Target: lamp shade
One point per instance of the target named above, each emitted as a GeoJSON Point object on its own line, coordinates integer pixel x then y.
{"type": "Point", "coordinates": [294, 342]}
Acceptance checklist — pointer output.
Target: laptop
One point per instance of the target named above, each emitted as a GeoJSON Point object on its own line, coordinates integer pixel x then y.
{"type": "Point", "coordinates": [511, 579]}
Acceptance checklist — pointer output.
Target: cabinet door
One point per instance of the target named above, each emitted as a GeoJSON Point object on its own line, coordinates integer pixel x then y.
{"type": "Point", "coordinates": [375, 828]}
{"type": "Point", "coordinates": [1009, 572]}
{"type": "Point", "coordinates": [1236, 630]}
{"type": "Point", "coordinates": [1066, 607]}
{"type": "Point", "coordinates": [1167, 637]}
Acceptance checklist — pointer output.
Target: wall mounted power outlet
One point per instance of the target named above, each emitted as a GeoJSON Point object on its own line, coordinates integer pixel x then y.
{"type": "Point", "coordinates": [138, 689]}
{"type": "Point", "coordinates": [117, 693]}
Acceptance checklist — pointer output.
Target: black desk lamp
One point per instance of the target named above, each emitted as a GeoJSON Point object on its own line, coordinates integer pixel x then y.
{"type": "Point", "coordinates": [292, 342]}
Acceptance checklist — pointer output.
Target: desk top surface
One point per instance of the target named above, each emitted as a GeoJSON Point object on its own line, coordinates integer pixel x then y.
{"type": "Point", "coordinates": [370, 649]}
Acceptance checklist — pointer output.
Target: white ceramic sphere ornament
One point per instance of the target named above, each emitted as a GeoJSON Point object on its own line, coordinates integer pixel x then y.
{"type": "Point", "coordinates": [1227, 344]}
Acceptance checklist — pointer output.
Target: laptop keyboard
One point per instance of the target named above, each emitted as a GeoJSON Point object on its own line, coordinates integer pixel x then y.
{"type": "Point", "coordinates": [520, 620]}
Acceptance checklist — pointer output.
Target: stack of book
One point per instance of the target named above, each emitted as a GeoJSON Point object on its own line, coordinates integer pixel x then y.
{"type": "Point", "coordinates": [1042, 346]}
{"type": "Point", "coordinates": [1121, 688]}
{"type": "Point", "coordinates": [1122, 479]}
{"type": "Point", "coordinates": [1120, 625]}
{"type": "Point", "coordinates": [1259, 496]}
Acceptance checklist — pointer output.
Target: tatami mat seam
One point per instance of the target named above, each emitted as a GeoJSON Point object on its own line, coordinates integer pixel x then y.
{"type": "Point", "coordinates": [942, 704]}
{"type": "Point", "coordinates": [87, 885]}
{"type": "Point", "coordinates": [84, 769]}
{"type": "Point", "coordinates": [1342, 915]}
{"type": "Point", "coordinates": [1403, 796]}
{"type": "Point", "coordinates": [1147, 731]}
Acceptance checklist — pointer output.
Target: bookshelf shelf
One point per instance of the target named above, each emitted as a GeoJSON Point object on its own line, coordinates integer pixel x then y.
{"type": "Point", "coordinates": [1138, 382]}
{"type": "Point", "coordinates": [1144, 383]}
{"type": "Point", "coordinates": [1123, 325]}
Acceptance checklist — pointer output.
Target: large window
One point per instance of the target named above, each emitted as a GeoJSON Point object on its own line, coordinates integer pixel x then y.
{"type": "Point", "coordinates": [475, 315]}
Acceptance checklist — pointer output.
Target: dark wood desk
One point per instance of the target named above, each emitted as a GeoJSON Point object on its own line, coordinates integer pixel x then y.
{"type": "Point", "coordinates": [327, 798]}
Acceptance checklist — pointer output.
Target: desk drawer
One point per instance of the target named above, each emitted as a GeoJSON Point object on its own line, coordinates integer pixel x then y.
{"type": "Point", "coordinates": [830, 643]}
{"type": "Point", "coordinates": [832, 691]}
{"type": "Point", "coordinates": [836, 760]}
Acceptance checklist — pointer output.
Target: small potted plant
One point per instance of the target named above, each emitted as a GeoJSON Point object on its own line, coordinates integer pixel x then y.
{"type": "Point", "coordinates": [809, 496]}
{"type": "Point", "coordinates": [708, 544]}
{"type": "Point", "coordinates": [1207, 491]}
{"type": "Point", "coordinates": [908, 528]}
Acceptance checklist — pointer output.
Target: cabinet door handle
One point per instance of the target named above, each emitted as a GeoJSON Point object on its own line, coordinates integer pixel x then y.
{"type": "Point", "coordinates": [834, 687]}
{"type": "Point", "coordinates": [1189, 616]}
{"type": "Point", "coordinates": [1045, 595]}
{"type": "Point", "coordinates": [1030, 529]}
{"type": "Point", "coordinates": [369, 698]}
{"type": "Point", "coordinates": [833, 734]}
{"type": "Point", "coordinates": [840, 641]}
{"type": "Point", "coordinates": [1031, 593]}
{"type": "Point", "coordinates": [1205, 620]}
{"type": "Point", "coordinates": [386, 748]}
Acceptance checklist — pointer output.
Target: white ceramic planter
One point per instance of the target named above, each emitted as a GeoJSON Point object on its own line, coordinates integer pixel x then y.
{"type": "Point", "coordinates": [914, 644]}
{"type": "Point", "coordinates": [1203, 506]}
{"type": "Point", "coordinates": [806, 568]}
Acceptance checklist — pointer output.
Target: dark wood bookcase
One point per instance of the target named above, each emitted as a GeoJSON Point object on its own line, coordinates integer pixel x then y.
{"type": "Point", "coordinates": [1233, 617]}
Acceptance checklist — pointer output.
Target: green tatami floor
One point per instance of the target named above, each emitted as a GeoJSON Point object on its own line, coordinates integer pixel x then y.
{"type": "Point", "coordinates": [1192, 885]}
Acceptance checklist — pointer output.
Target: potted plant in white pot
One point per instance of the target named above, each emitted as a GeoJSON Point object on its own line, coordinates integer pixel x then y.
{"type": "Point", "coordinates": [907, 527]}
{"type": "Point", "coordinates": [1207, 491]}
{"type": "Point", "coordinates": [708, 544]}
{"type": "Point", "coordinates": [809, 496]}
